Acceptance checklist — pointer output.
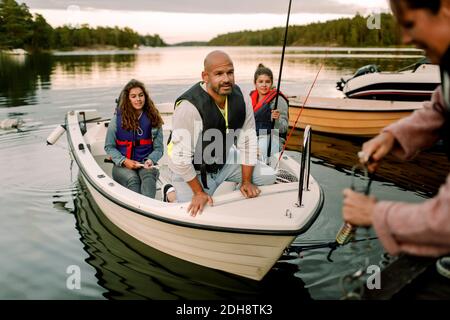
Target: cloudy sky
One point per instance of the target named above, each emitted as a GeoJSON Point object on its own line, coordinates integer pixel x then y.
{"type": "Point", "coordinates": [196, 20]}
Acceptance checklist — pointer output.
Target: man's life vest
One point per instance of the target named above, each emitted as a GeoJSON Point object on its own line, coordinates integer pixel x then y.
{"type": "Point", "coordinates": [135, 145]}
{"type": "Point", "coordinates": [211, 151]}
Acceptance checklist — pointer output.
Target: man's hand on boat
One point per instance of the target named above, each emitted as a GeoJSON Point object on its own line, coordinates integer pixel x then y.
{"type": "Point", "coordinates": [249, 190]}
{"type": "Point", "coordinates": [199, 200]}
{"type": "Point", "coordinates": [374, 150]}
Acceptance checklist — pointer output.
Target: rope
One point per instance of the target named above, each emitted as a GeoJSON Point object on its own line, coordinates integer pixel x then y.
{"type": "Point", "coordinates": [333, 245]}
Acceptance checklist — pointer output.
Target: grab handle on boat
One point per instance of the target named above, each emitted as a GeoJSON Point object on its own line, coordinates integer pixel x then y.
{"type": "Point", "coordinates": [305, 165]}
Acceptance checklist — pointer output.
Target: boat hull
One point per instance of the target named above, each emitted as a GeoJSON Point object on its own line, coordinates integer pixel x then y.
{"type": "Point", "coordinates": [393, 91]}
{"type": "Point", "coordinates": [415, 85]}
{"type": "Point", "coordinates": [354, 117]}
{"type": "Point", "coordinates": [353, 123]}
{"type": "Point", "coordinates": [247, 255]}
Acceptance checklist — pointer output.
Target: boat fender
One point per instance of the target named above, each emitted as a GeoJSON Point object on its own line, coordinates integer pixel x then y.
{"type": "Point", "coordinates": [56, 134]}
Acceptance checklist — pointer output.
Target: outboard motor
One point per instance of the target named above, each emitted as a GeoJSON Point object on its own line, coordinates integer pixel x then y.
{"type": "Point", "coordinates": [340, 84]}
{"type": "Point", "coordinates": [370, 68]}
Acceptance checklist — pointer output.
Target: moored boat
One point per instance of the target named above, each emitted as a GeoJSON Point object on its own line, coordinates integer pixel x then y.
{"type": "Point", "coordinates": [16, 52]}
{"type": "Point", "coordinates": [414, 83]}
{"type": "Point", "coordinates": [354, 117]}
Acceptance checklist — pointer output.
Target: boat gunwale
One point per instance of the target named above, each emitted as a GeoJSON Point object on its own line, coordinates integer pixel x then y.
{"type": "Point", "coordinates": [390, 106]}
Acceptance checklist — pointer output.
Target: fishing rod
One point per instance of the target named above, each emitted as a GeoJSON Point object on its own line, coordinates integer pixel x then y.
{"type": "Point", "coordinates": [299, 114]}
{"type": "Point", "coordinates": [269, 146]}
{"type": "Point", "coordinates": [347, 231]}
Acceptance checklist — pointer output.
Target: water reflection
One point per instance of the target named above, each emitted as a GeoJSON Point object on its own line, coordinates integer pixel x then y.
{"type": "Point", "coordinates": [128, 269]}
{"type": "Point", "coordinates": [21, 76]}
{"type": "Point", "coordinates": [75, 64]}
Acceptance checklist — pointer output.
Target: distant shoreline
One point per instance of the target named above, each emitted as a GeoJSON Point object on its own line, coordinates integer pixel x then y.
{"type": "Point", "coordinates": [107, 49]}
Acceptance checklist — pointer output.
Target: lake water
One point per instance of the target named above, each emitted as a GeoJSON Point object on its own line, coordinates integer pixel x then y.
{"type": "Point", "coordinates": [49, 223]}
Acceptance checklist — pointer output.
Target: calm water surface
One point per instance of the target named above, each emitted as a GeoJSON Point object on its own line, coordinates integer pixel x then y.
{"type": "Point", "coordinates": [49, 222]}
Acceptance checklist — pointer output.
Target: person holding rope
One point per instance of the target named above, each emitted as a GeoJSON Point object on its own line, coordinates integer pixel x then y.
{"type": "Point", "coordinates": [421, 228]}
{"type": "Point", "coordinates": [263, 102]}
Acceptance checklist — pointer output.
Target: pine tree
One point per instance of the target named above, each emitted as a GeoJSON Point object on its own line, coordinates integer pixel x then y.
{"type": "Point", "coordinates": [43, 34]}
{"type": "Point", "coordinates": [16, 28]}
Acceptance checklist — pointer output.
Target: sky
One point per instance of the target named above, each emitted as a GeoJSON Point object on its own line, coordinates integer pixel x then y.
{"type": "Point", "coordinates": [197, 20]}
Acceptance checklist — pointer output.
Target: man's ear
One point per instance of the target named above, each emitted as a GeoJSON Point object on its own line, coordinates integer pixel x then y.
{"type": "Point", "coordinates": [205, 77]}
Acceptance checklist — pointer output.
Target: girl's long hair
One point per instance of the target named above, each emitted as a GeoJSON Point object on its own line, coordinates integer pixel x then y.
{"type": "Point", "coordinates": [130, 120]}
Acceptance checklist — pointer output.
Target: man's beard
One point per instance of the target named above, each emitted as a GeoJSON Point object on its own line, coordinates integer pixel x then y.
{"type": "Point", "coordinates": [217, 90]}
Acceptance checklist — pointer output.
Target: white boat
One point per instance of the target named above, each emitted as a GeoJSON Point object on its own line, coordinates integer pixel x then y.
{"type": "Point", "coordinates": [350, 117]}
{"type": "Point", "coordinates": [237, 235]}
{"type": "Point", "coordinates": [413, 83]}
{"type": "Point", "coordinates": [16, 52]}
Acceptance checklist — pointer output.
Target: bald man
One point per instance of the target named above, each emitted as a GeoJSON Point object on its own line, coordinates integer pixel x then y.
{"type": "Point", "coordinates": [214, 138]}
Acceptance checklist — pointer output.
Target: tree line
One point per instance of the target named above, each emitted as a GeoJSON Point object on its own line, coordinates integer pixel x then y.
{"type": "Point", "coordinates": [19, 29]}
{"type": "Point", "coordinates": [351, 32]}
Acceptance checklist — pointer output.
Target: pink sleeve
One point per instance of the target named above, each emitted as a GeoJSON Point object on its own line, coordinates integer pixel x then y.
{"type": "Point", "coordinates": [420, 229]}
{"type": "Point", "coordinates": [421, 129]}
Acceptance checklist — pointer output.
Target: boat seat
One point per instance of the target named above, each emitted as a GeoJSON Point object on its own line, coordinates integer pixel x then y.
{"type": "Point", "coordinates": [225, 187]}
